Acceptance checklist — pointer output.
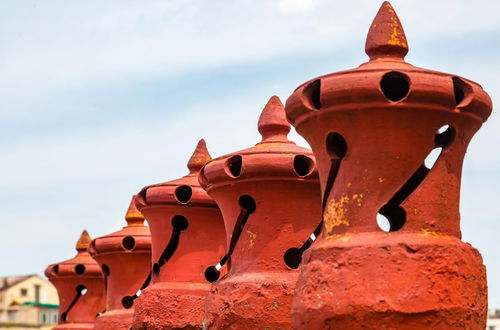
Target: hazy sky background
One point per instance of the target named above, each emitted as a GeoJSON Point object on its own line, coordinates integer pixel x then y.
{"type": "Point", "coordinates": [100, 98]}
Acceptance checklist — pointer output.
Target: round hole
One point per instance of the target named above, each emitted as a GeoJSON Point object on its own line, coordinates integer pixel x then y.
{"type": "Point", "coordinates": [105, 269]}
{"type": "Point", "coordinates": [444, 136]}
{"type": "Point", "coordinates": [247, 203]}
{"type": "Point", "coordinates": [293, 258]}
{"type": "Point", "coordinates": [302, 165]}
{"type": "Point", "coordinates": [336, 145]}
{"type": "Point", "coordinates": [64, 317]}
{"type": "Point", "coordinates": [79, 269]}
{"type": "Point", "coordinates": [395, 86]}
{"type": "Point", "coordinates": [312, 94]}
{"type": "Point", "coordinates": [212, 274]}
{"type": "Point", "coordinates": [127, 302]}
{"type": "Point", "coordinates": [234, 165]}
{"type": "Point", "coordinates": [179, 222]}
{"type": "Point", "coordinates": [461, 90]}
{"type": "Point", "coordinates": [183, 194]}
{"type": "Point", "coordinates": [81, 289]}
{"type": "Point", "coordinates": [55, 270]}
{"type": "Point", "coordinates": [128, 243]}
{"type": "Point", "coordinates": [395, 215]}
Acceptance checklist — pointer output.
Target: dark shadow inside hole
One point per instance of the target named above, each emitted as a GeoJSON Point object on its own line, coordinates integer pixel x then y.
{"type": "Point", "coordinates": [105, 270]}
{"type": "Point", "coordinates": [212, 274]}
{"type": "Point", "coordinates": [459, 94]}
{"type": "Point", "coordinates": [183, 193]}
{"type": "Point", "coordinates": [445, 138]}
{"type": "Point", "coordinates": [247, 203]}
{"type": "Point", "coordinates": [413, 182]}
{"type": "Point", "coordinates": [336, 145]}
{"type": "Point", "coordinates": [234, 164]}
{"type": "Point", "coordinates": [395, 214]}
{"type": "Point", "coordinates": [179, 223]}
{"type": "Point", "coordinates": [127, 302]}
{"type": "Point", "coordinates": [81, 289]}
{"type": "Point", "coordinates": [55, 270]}
{"type": "Point", "coordinates": [293, 258]}
{"type": "Point", "coordinates": [395, 86]}
{"type": "Point", "coordinates": [302, 165]}
{"type": "Point", "coordinates": [460, 89]}
{"type": "Point", "coordinates": [79, 269]}
{"type": "Point", "coordinates": [312, 93]}
{"type": "Point", "coordinates": [64, 316]}
{"type": "Point", "coordinates": [156, 268]}
{"type": "Point", "coordinates": [128, 243]}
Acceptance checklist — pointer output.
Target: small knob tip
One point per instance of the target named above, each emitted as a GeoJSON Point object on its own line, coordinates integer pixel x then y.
{"type": "Point", "coordinates": [199, 158]}
{"type": "Point", "coordinates": [83, 242]}
{"type": "Point", "coordinates": [386, 37]}
{"type": "Point", "coordinates": [272, 122]}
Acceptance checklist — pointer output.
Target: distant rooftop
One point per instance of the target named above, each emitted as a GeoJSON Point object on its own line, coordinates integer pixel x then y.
{"type": "Point", "coordinates": [8, 281]}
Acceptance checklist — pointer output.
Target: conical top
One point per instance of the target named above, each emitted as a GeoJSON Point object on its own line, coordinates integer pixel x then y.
{"type": "Point", "coordinates": [199, 158]}
{"type": "Point", "coordinates": [83, 242]}
{"type": "Point", "coordinates": [273, 125]}
{"type": "Point", "coordinates": [386, 38]}
{"type": "Point", "coordinates": [133, 216]}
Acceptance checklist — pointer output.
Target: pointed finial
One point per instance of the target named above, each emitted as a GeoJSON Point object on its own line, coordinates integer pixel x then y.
{"type": "Point", "coordinates": [199, 158]}
{"type": "Point", "coordinates": [133, 216]}
{"type": "Point", "coordinates": [273, 125]}
{"type": "Point", "coordinates": [386, 37]}
{"type": "Point", "coordinates": [83, 242]}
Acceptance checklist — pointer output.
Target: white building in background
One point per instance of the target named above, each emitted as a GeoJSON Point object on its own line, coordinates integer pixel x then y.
{"type": "Point", "coordinates": [27, 302]}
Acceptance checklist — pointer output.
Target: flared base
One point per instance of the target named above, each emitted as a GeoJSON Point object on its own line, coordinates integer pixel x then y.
{"type": "Point", "coordinates": [251, 301]}
{"type": "Point", "coordinates": [171, 305]}
{"type": "Point", "coordinates": [120, 319]}
{"type": "Point", "coordinates": [384, 281]}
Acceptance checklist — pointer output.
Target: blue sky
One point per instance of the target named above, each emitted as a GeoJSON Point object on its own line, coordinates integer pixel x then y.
{"type": "Point", "coordinates": [98, 99]}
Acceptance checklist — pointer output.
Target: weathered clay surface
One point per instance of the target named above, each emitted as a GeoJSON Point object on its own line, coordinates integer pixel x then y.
{"type": "Point", "coordinates": [371, 281]}
{"type": "Point", "coordinates": [274, 188]}
{"type": "Point", "coordinates": [185, 306]}
{"type": "Point", "coordinates": [372, 130]}
{"type": "Point", "coordinates": [115, 319]}
{"type": "Point", "coordinates": [252, 301]}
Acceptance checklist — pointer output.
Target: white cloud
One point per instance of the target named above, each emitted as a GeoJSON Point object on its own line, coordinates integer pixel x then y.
{"type": "Point", "coordinates": [52, 46]}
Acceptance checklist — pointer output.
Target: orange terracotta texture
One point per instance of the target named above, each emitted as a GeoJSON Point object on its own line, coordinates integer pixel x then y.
{"type": "Point", "coordinates": [188, 235]}
{"type": "Point", "coordinates": [372, 130]}
{"type": "Point", "coordinates": [80, 286]}
{"type": "Point", "coordinates": [361, 232]}
{"type": "Point", "coordinates": [125, 259]}
{"type": "Point", "coordinates": [269, 196]}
